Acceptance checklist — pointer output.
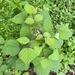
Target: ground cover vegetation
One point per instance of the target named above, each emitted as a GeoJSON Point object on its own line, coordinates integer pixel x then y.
{"type": "Point", "coordinates": [37, 37]}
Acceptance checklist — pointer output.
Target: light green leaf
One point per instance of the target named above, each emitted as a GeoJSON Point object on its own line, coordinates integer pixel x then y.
{"type": "Point", "coordinates": [56, 66]}
{"type": "Point", "coordinates": [27, 55]}
{"type": "Point", "coordinates": [25, 31]}
{"type": "Point", "coordinates": [45, 63]}
{"type": "Point", "coordinates": [37, 50]}
{"type": "Point", "coordinates": [54, 43]}
{"type": "Point", "coordinates": [41, 71]}
{"type": "Point", "coordinates": [54, 55]}
{"type": "Point", "coordinates": [11, 47]}
{"type": "Point", "coordinates": [39, 36]}
{"type": "Point", "coordinates": [34, 43]}
{"type": "Point", "coordinates": [20, 18]}
{"type": "Point", "coordinates": [64, 32]}
{"type": "Point", "coordinates": [1, 40]}
{"type": "Point", "coordinates": [1, 60]}
{"type": "Point", "coordinates": [50, 42]}
{"type": "Point", "coordinates": [47, 35]}
{"type": "Point", "coordinates": [38, 17]}
{"type": "Point", "coordinates": [26, 73]}
{"type": "Point", "coordinates": [59, 43]}
{"type": "Point", "coordinates": [37, 60]}
{"type": "Point", "coordinates": [30, 9]}
{"type": "Point", "coordinates": [29, 21]}
{"type": "Point", "coordinates": [23, 40]}
{"type": "Point", "coordinates": [57, 36]}
{"type": "Point", "coordinates": [47, 24]}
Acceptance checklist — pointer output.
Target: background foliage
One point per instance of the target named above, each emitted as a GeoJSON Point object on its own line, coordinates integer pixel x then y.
{"type": "Point", "coordinates": [62, 16]}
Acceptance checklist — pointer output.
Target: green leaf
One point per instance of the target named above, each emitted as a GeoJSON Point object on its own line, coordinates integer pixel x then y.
{"type": "Point", "coordinates": [54, 55]}
{"type": "Point", "coordinates": [64, 32]}
{"type": "Point", "coordinates": [54, 43]}
{"type": "Point", "coordinates": [25, 31]}
{"type": "Point", "coordinates": [1, 73]}
{"type": "Point", "coordinates": [1, 40]}
{"type": "Point", "coordinates": [30, 9]}
{"type": "Point", "coordinates": [34, 43]}
{"type": "Point", "coordinates": [26, 73]}
{"type": "Point", "coordinates": [47, 21]}
{"type": "Point", "coordinates": [38, 18]}
{"type": "Point", "coordinates": [45, 63]}
{"type": "Point", "coordinates": [47, 35]}
{"type": "Point", "coordinates": [57, 36]}
{"type": "Point", "coordinates": [51, 42]}
{"type": "Point", "coordinates": [39, 36]}
{"type": "Point", "coordinates": [56, 66]}
{"type": "Point", "coordinates": [1, 60]}
{"type": "Point", "coordinates": [46, 51]}
{"type": "Point", "coordinates": [3, 67]}
{"type": "Point", "coordinates": [11, 47]}
{"type": "Point", "coordinates": [27, 55]}
{"type": "Point", "coordinates": [20, 18]}
{"type": "Point", "coordinates": [29, 21]}
{"type": "Point", "coordinates": [58, 43]}
{"type": "Point", "coordinates": [61, 73]}
{"type": "Point", "coordinates": [23, 40]}
{"type": "Point", "coordinates": [11, 61]}
{"type": "Point", "coordinates": [19, 65]}
{"type": "Point", "coordinates": [37, 50]}
{"type": "Point", "coordinates": [41, 71]}
{"type": "Point", "coordinates": [37, 60]}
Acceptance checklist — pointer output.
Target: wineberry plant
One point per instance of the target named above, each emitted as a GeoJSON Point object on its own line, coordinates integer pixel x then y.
{"type": "Point", "coordinates": [41, 47]}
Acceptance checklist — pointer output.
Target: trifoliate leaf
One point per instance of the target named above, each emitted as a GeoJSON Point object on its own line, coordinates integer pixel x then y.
{"type": "Point", "coordinates": [38, 17]}
{"type": "Point", "coordinates": [23, 40]}
{"type": "Point", "coordinates": [29, 21]}
{"type": "Point", "coordinates": [11, 47]}
{"type": "Point", "coordinates": [30, 9]}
